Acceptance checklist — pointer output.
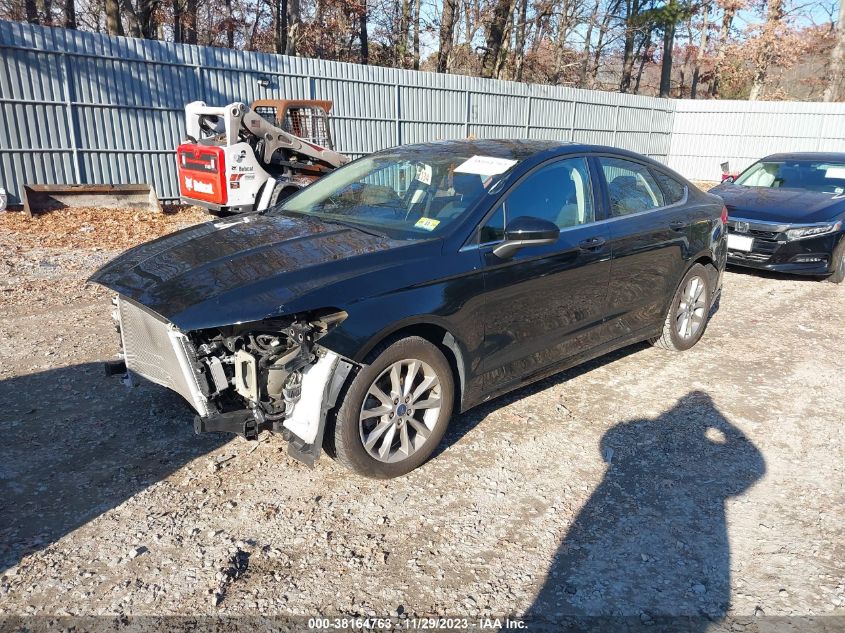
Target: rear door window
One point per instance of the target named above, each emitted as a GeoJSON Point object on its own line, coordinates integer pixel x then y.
{"type": "Point", "coordinates": [631, 187]}
{"type": "Point", "coordinates": [673, 191]}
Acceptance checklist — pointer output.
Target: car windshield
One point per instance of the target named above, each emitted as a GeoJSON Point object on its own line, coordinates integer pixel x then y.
{"type": "Point", "coordinates": [407, 193]}
{"type": "Point", "coordinates": [819, 176]}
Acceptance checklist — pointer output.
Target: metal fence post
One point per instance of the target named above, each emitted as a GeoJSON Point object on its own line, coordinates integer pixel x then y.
{"type": "Point", "coordinates": [71, 120]}
{"type": "Point", "coordinates": [466, 113]}
{"type": "Point", "coordinates": [397, 113]}
{"type": "Point", "coordinates": [528, 117]}
{"type": "Point", "coordinates": [616, 126]}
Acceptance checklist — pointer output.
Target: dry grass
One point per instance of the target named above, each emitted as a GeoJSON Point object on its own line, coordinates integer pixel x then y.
{"type": "Point", "coordinates": [112, 229]}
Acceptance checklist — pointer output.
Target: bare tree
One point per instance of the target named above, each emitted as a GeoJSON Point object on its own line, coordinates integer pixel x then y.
{"type": "Point", "coordinates": [730, 8]}
{"type": "Point", "coordinates": [496, 40]}
{"type": "Point", "coordinates": [417, 18]}
{"type": "Point", "coordinates": [767, 49]}
{"type": "Point", "coordinates": [521, 27]}
{"type": "Point", "coordinates": [447, 34]}
{"type": "Point", "coordinates": [835, 89]}
{"type": "Point", "coordinates": [113, 24]}
{"type": "Point", "coordinates": [31, 12]}
{"type": "Point", "coordinates": [702, 49]}
{"type": "Point", "coordinates": [363, 34]}
{"type": "Point", "coordinates": [70, 14]}
{"type": "Point", "coordinates": [295, 26]}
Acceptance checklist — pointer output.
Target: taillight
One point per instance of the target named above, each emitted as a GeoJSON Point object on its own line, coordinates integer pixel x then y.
{"type": "Point", "coordinates": [724, 216]}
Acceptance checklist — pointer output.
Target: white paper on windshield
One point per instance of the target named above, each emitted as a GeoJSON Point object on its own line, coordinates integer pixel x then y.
{"type": "Point", "coordinates": [835, 172]}
{"type": "Point", "coordinates": [485, 165]}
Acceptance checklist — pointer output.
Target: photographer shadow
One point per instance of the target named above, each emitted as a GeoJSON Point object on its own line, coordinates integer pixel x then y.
{"type": "Point", "coordinates": [650, 550]}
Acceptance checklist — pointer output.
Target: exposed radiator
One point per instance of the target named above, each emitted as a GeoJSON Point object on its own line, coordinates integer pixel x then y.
{"type": "Point", "coordinates": [156, 350]}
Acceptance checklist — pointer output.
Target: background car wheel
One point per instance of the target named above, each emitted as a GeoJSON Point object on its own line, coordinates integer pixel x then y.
{"type": "Point", "coordinates": [838, 259]}
{"type": "Point", "coordinates": [688, 313]}
{"type": "Point", "coordinates": [396, 410]}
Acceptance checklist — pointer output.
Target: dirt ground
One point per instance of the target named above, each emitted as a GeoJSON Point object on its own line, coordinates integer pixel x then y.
{"type": "Point", "coordinates": [707, 485]}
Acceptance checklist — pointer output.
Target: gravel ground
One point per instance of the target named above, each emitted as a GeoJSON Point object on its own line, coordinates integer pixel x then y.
{"type": "Point", "coordinates": [645, 484]}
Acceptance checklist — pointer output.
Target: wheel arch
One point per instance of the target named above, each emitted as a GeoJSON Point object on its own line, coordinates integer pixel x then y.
{"type": "Point", "coordinates": [434, 332]}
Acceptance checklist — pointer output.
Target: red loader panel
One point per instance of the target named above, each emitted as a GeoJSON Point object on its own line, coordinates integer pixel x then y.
{"type": "Point", "coordinates": [202, 173]}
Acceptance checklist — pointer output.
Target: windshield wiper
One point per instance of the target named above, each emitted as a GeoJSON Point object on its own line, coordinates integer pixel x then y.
{"type": "Point", "coordinates": [352, 225]}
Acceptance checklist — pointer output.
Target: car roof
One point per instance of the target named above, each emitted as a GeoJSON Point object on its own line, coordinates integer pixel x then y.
{"type": "Point", "coordinates": [814, 156]}
{"type": "Point", "coordinates": [520, 149]}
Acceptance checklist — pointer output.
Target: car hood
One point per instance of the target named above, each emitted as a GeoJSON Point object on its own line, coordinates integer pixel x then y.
{"type": "Point", "coordinates": [248, 268]}
{"type": "Point", "coordinates": [779, 205]}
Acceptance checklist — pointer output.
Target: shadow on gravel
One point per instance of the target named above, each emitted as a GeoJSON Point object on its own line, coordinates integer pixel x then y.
{"type": "Point", "coordinates": [462, 424]}
{"type": "Point", "coordinates": [649, 551]}
{"type": "Point", "coordinates": [76, 444]}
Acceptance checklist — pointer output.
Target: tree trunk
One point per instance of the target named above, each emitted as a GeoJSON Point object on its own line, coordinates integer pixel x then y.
{"type": "Point", "coordinates": [278, 27]}
{"type": "Point", "coordinates": [835, 90]}
{"type": "Point", "coordinates": [190, 21]}
{"type": "Point", "coordinates": [417, 18]}
{"type": "Point", "coordinates": [666, 64]}
{"type": "Point", "coordinates": [702, 49]}
{"type": "Point", "coordinates": [520, 39]}
{"type": "Point", "coordinates": [496, 30]}
{"type": "Point", "coordinates": [365, 38]}
{"type": "Point", "coordinates": [631, 9]}
{"type": "Point", "coordinates": [643, 58]}
{"type": "Point", "coordinates": [600, 44]}
{"type": "Point", "coordinates": [31, 12]}
{"type": "Point", "coordinates": [773, 17]}
{"type": "Point", "coordinates": [230, 25]}
{"type": "Point", "coordinates": [401, 36]}
{"type": "Point", "coordinates": [721, 50]}
{"type": "Point", "coordinates": [70, 14]}
{"type": "Point", "coordinates": [44, 9]}
{"type": "Point", "coordinates": [295, 25]}
{"type": "Point", "coordinates": [447, 34]}
{"type": "Point", "coordinates": [588, 41]}
{"type": "Point", "coordinates": [113, 23]}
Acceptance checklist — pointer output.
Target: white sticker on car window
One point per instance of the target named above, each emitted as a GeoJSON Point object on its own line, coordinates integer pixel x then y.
{"type": "Point", "coordinates": [485, 165]}
{"type": "Point", "coordinates": [424, 174]}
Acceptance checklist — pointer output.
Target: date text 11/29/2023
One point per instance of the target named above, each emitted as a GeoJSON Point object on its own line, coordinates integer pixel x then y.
{"type": "Point", "coordinates": [415, 624]}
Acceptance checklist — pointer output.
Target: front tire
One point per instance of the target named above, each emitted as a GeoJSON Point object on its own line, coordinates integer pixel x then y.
{"type": "Point", "coordinates": [396, 410]}
{"type": "Point", "coordinates": [838, 261]}
{"type": "Point", "coordinates": [688, 313]}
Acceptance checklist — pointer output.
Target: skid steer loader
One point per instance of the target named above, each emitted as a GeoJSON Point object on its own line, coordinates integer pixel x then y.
{"type": "Point", "coordinates": [238, 158]}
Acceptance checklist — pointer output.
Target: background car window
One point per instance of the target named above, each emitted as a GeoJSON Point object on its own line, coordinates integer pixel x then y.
{"type": "Point", "coordinates": [673, 191]}
{"type": "Point", "coordinates": [494, 229]}
{"type": "Point", "coordinates": [796, 174]}
{"type": "Point", "coordinates": [559, 192]}
{"type": "Point", "coordinates": [631, 187]}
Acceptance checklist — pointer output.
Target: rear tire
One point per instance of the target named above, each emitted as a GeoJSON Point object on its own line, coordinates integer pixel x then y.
{"type": "Point", "coordinates": [688, 313]}
{"type": "Point", "coordinates": [838, 263]}
{"type": "Point", "coordinates": [387, 424]}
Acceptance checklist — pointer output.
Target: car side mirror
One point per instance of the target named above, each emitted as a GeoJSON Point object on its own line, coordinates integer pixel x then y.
{"type": "Point", "coordinates": [728, 179]}
{"type": "Point", "coordinates": [526, 231]}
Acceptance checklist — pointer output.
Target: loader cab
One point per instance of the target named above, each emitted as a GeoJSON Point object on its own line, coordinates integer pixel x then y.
{"type": "Point", "coordinates": [307, 119]}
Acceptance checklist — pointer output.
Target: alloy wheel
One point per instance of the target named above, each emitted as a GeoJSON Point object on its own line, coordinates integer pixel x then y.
{"type": "Point", "coordinates": [400, 410]}
{"type": "Point", "coordinates": [692, 308]}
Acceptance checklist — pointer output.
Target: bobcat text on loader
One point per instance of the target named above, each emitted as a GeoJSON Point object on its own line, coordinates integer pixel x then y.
{"type": "Point", "coordinates": [238, 158]}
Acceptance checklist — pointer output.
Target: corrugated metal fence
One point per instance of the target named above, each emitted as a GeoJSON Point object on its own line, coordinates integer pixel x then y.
{"type": "Point", "coordinates": [87, 108]}
{"type": "Point", "coordinates": [83, 107]}
{"type": "Point", "coordinates": [707, 133]}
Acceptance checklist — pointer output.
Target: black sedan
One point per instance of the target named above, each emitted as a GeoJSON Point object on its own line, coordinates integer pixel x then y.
{"type": "Point", "coordinates": [787, 214]}
{"type": "Point", "coordinates": [362, 311]}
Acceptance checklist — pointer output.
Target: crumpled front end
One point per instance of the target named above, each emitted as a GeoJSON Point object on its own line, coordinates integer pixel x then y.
{"type": "Point", "coordinates": [242, 378]}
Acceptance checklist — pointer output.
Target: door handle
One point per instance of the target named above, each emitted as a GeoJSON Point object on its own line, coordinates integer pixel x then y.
{"type": "Point", "coordinates": [591, 244]}
{"type": "Point", "coordinates": [677, 225]}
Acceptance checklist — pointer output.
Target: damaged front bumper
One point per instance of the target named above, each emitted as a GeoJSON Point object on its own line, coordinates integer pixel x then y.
{"type": "Point", "coordinates": [238, 381]}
